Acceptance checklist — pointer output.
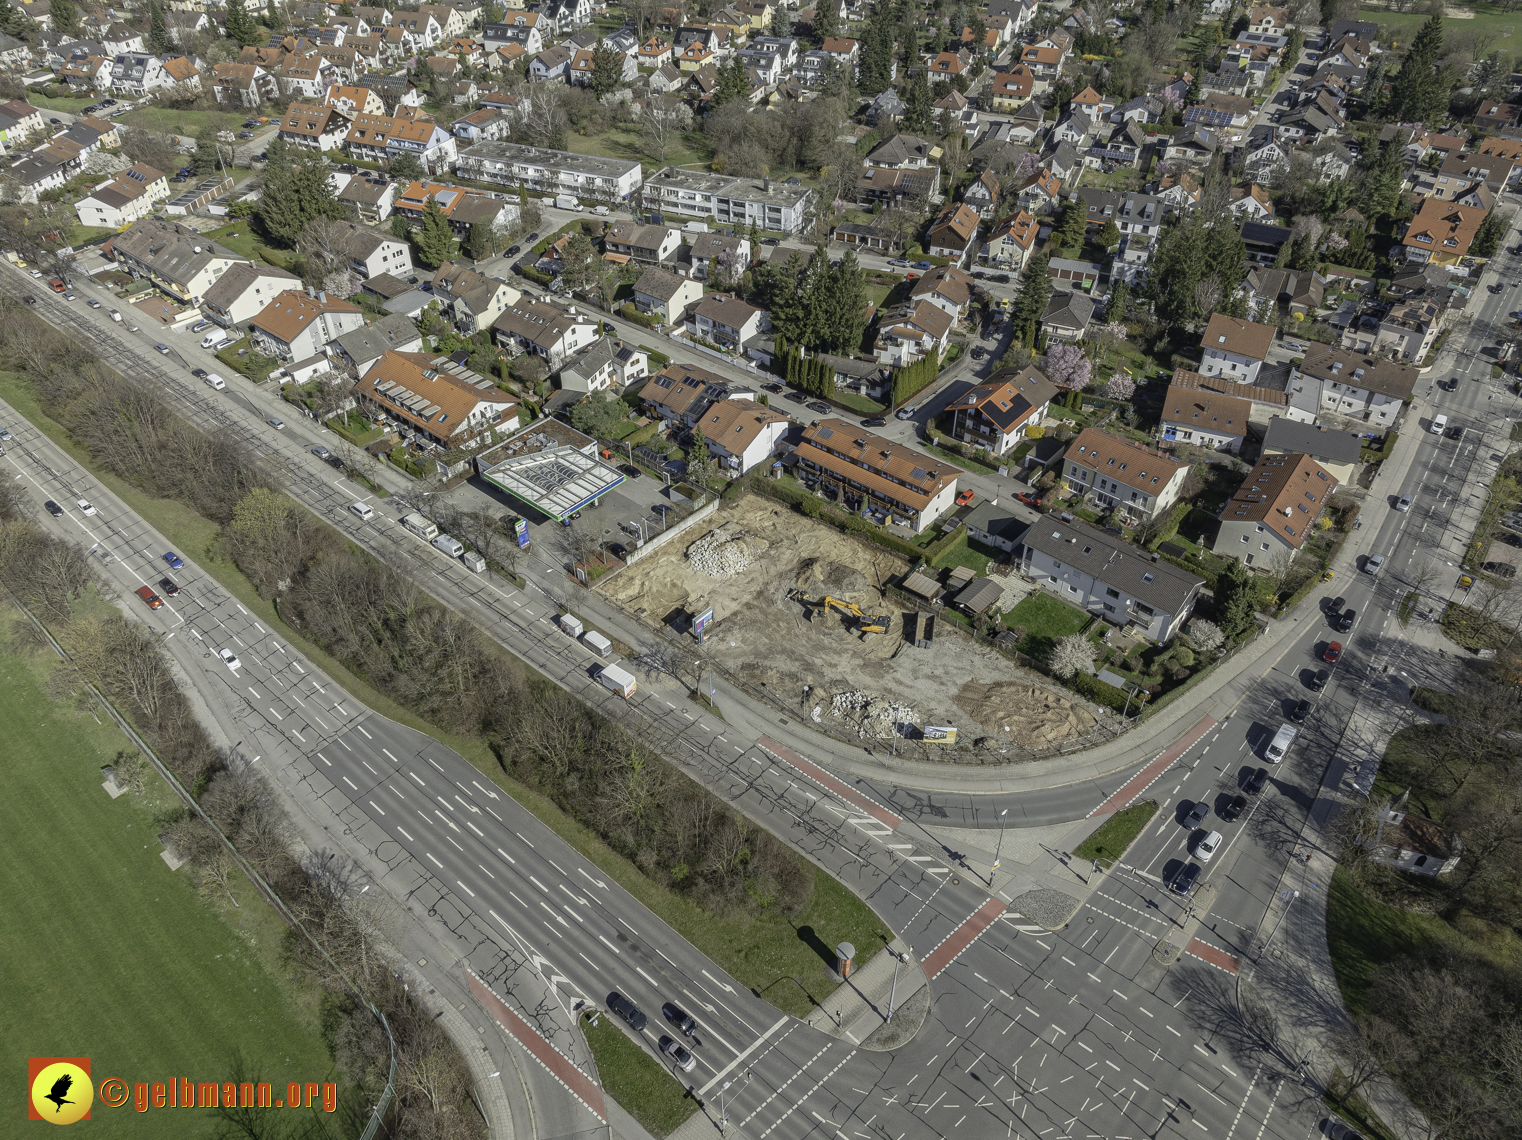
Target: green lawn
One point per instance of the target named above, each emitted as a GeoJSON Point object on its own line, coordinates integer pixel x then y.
{"type": "Point", "coordinates": [108, 954]}
{"type": "Point", "coordinates": [773, 956]}
{"type": "Point", "coordinates": [164, 120]}
{"type": "Point", "coordinates": [1364, 934]}
{"type": "Point", "coordinates": [964, 552]}
{"type": "Point", "coordinates": [239, 236]}
{"type": "Point", "coordinates": [1488, 19]}
{"type": "Point", "coordinates": [1045, 619]}
{"type": "Point", "coordinates": [73, 104]}
{"type": "Point", "coordinates": [623, 141]}
{"type": "Point", "coordinates": [83, 235]}
{"type": "Point", "coordinates": [648, 1090]}
{"type": "Point", "coordinates": [1111, 838]}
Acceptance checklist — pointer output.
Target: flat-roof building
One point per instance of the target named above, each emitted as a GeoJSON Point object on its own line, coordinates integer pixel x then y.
{"type": "Point", "coordinates": [767, 203]}
{"type": "Point", "coordinates": [555, 171]}
{"type": "Point", "coordinates": [550, 468]}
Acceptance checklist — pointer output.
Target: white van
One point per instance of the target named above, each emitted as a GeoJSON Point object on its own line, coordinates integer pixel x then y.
{"type": "Point", "coordinates": [1439, 424]}
{"type": "Point", "coordinates": [215, 381]}
{"type": "Point", "coordinates": [212, 338]}
{"type": "Point", "coordinates": [600, 211]}
{"type": "Point", "coordinates": [1279, 745]}
{"type": "Point", "coordinates": [449, 545]}
{"type": "Point", "coordinates": [363, 510]}
{"type": "Point", "coordinates": [567, 202]}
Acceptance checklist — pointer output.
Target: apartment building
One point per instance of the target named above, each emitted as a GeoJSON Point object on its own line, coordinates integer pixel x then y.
{"type": "Point", "coordinates": [551, 171]}
{"type": "Point", "coordinates": [1122, 475]}
{"type": "Point", "coordinates": [1274, 511]}
{"type": "Point", "coordinates": [768, 204]}
{"type": "Point", "coordinates": [865, 472]}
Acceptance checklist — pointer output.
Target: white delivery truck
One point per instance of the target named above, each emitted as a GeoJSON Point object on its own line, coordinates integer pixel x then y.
{"type": "Point", "coordinates": [571, 624]}
{"type": "Point", "coordinates": [695, 228]}
{"type": "Point", "coordinates": [567, 202]}
{"type": "Point", "coordinates": [421, 527]}
{"type": "Point", "coordinates": [449, 544]}
{"type": "Point", "coordinates": [619, 680]}
{"type": "Point", "coordinates": [1278, 747]}
{"type": "Point", "coordinates": [597, 643]}
{"type": "Point", "coordinates": [214, 337]}
{"type": "Point", "coordinates": [473, 562]}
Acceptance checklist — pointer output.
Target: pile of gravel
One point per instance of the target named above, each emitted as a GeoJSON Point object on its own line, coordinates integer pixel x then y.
{"type": "Point", "coordinates": [873, 715]}
{"type": "Point", "coordinates": [719, 555]}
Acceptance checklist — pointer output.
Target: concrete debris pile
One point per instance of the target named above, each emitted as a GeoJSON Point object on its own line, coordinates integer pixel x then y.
{"type": "Point", "coordinates": [873, 715]}
{"type": "Point", "coordinates": [719, 555]}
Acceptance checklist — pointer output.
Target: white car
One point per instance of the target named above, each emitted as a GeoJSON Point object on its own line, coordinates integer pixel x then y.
{"type": "Point", "coordinates": [363, 510]}
{"type": "Point", "coordinates": [229, 658]}
{"type": "Point", "coordinates": [84, 506]}
{"type": "Point", "coordinates": [34, 272]}
{"type": "Point", "coordinates": [1207, 846]}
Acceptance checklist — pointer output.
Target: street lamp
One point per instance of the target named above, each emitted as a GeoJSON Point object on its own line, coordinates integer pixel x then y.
{"type": "Point", "coordinates": [898, 960]}
{"type": "Point", "coordinates": [999, 850]}
{"type": "Point", "coordinates": [724, 1105]}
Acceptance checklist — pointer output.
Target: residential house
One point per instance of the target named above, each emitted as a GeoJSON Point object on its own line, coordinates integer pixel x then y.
{"type": "Point", "coordinates": [911, 331]}
{"type": "Point", "coordinates": [136, 73]}
{"type": "Point", "coordinates": [1273, 512]}
{"type": "Point", "coordinates": [123, 198]}
{"type": "Point", "coordinates": [947, 65]}
{"type": "Point", "coordinates": [463, 208]}
{"type": "Point", "coordinates": [666, 295]}
{"type": "Point", "coordinates": [1251, 201]}
{"type": "Point", "coordinates": [372, 198]}
{"type": "Point", "coordinates": [904, 152]}
{"type": "Point", "coordinates": [551, 63]}
{"type": "Point", "coordinates": [1494, 116]}
{"type": "Point", "coordinates": [1338, 452]}
{"type": "Point", "coordinates": [471, 299]}
{"type": "Point", "coordinates": [767, 203]}
{"type": "Point", "coordinates": [953, 233]}
{"type": "Point", "coordinates": [313, 126]}
{"type": "Point", "coordinates": [1122, 475]}
{"type": "Point", "coordinates": [1009, 244]}
{"type": "Point", "coordinates": [954, 111]}
{"type": "Point", "coordinates": [997, 413]}
{"type": "Point", "coordinates": [1264, 241]}
{"type": "Point", "coordinates": [1352, 384]}
{"type": "Point", "coordinates": [1274, 21]}
{"type": "Point", "coordinates": [371, 252]}
{"type": "Point", "coordinates": [243, 84]}
{"type": "Point", "coordinates": [730, 251]}
{"type": "Point", "coordinates": [296, 325]}
{"type": "Point", "coordinates": [175, 258]}
{"type": "Point", "coordinates": [876, 184]}
{"type": "Point", "coordinates": [1234, 348]}
{"type": "Point", "coordinates": [1101, 573]}
{"type": "Point", "coordinates": [1009, 91]}
{"type": "Point", "coordinates": [1462, 172]}
{"type": "Point", "coordinates": [726, 320]}
{"type": "Point", "coordinates": [607, 365]}
{"type": "Point", "coordinates": [865, 472]}
{"type": "Point", "coordinates": [982, 193]}
{"type": "Point", "coordinates": [1040, 193]}
{"type": "Point", "coordinates": [434, 402]}
{"type": "Point", "coordinates": [651, 245]}
{"type": "Point", "coordinates": [580, 72]}
{"type": "Point", "coordinates": [681, 394]}
{"type": "Point", "coordinates": [1441, 232]}
{"type": "Point", "coordinates": [1195, 143]}
{"type": "Point", "coordinates": [1221, 111]}
{"type": "Point", "coordinates": [485, 124]}
{"type": "Point", "coordinates": [742, 434]}
{"type": "Point", "coordinates": [589, 177]}
{"type": "Point", "coordinates": [946, 286]}
{"type": "Point", "coordinates": [1067, 315]}
{"type": "Point", "coordinates": [1212, 420]}
{"type": "Point", "coordinates": [360, 349]}
{"type": "Point", "coordinates": [544, 329]}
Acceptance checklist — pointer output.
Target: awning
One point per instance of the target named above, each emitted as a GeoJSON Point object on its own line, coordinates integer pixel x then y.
{"type": "Point", "coordinates": [617, 258]}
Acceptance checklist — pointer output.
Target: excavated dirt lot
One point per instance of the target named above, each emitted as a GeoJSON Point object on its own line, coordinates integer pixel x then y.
{"type": "Point", "coordinates": [761, 553]}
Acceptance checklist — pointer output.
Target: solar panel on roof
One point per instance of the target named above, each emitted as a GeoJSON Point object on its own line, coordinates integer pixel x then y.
{"type": "Point", "coordinates": [826, 433]}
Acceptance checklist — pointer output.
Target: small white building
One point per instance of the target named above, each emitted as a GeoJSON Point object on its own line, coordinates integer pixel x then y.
{"type": "Point", "coordinates": [1234, 348]}
{"type": "Point", "coordinates": [741, 433]}
{"type": "Point", "coordinates": [124, 198]}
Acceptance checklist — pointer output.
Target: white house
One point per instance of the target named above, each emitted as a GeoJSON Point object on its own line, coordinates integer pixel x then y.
{"type": "Point", "coordinates": [244, 291]}
{"type": "Point", "coordinates": [124, 198]}
{"type": "Point", "coordinates": [741, 433]}
{"type": "Point", "coordinates": [997, 414]}
{"type": "Point", "coordinates": [726, 320]}
{"type": "Point", "coordinates": [1351, 384]}
{"type": "Point", "coordinates": [545, 330]}
{"type": "Point", "coordinates": [1234, 348]}
{"type": "Point", "coordinates": [608, 364]}
{"type": "Point", "coordinates": [1122, 475]}
{"type": "Point", "coordinates": [296, 325]}
{"type": "Point", "coordinates": [1205, 419]}
{"type": "Point", "coordinates": [666, 295]}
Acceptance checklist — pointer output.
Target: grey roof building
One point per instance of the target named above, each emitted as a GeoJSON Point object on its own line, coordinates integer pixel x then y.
{"type": "Point", "coordinates": [1068, 315]}
{"type": "Point", "coordinates": [174, 257]}
{"type": "Point", "coordinates": [978, 596]}
{"type": "Point", "coordinates": [995, 525]}
{"type": "Point", "coordinates": [363, 347]}
{"type": "Point", "coordinates": [1102, 573]}
{"type": "Point", "coordinates": [769, 203]}
{"type": "Point", "coordinates": [1337, 451]}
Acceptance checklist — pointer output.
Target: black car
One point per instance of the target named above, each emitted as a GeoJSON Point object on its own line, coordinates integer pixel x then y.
{"type": "Point", "coordinates": [681, 1020]}
{"type": "Point", "coordinates": [875, 421]}
{"type": "Point", "coordinates": [532, 237]}
{"type": "Point", "coordinates": [1501, 569]}
{"type": "Point", "coordinates": [770, 241]}
{"type": "Point", "coordinates": [513, 251]}
{"type": "Point", "coordinates": [53, 509]}
{"type": "Point", "coordinates": [168, 586]}
{"type": "Point", "coordinates": [977, 353]}
{"type": "Point", "coordinates": [1318, 682]}
{"type": "Point", "coordinates": [1345, 622]}
{"type": "Point", "coordinates": [198, 373]}
{"type": "Point", "coordinates": [795, 397]}
{"type": "Point", "coordinates": [627, 1010]}
{"type": "Point", "coordinates": [29, 299]}
{"type": "Point", "coordinates": [632, 471]}
{"type": "Point", "coordinates": [1234, 809]}
{"type": "Point", "coordinates": [617, 549]}
{"type": "Point", "coordinates": [979, 275]}
{"type": "Point", "coordinates": [348, 168]}
{"type": "Point", "coordinates": [1256, 782]}
{"type": "Point", "coordinates": [1183, 879]}
{"type": "Point", "coordinates": [771, 387]}
{"type": "Point", "coordinates": [820, 406]}
{"type": "Point", "coordinates": [1002, 279]}
{"type": "Point", "coordinates": [1509, 539]}
{"type": "Point", "coordinates": [1301, 711]}
{"type": "Point", "coordinates": [1456, 432]}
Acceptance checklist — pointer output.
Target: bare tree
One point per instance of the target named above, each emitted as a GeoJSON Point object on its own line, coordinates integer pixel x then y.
{"type": "Point", "coordinates": [324, 245]}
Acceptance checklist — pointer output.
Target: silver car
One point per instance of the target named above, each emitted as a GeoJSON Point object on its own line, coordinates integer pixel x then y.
{"type": "Point", "coordinates": [1374, 564]}
{"type": "Point", "coordinates": [1404, 504]}
{"type": "Point", "coordinates": [1207, 846]}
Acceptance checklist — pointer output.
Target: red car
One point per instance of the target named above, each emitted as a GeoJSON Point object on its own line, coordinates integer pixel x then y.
{"type": "Point", "coordinates": [964, 498]}
{"type": "Point", "coordinates": [1333, 651]}
{"type": "Point", "coordinates": [148, 596]}
{"type": "Point", "coordinates": [1028, 499]}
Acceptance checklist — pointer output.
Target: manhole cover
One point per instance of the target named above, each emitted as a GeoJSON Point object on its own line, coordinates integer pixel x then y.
{"type": "Point", "coordinates": [1091, 918]}
{"type": "Point", "coordinates": [955, 881]}
{"type": "Point", "coordinates": [1278, 953]}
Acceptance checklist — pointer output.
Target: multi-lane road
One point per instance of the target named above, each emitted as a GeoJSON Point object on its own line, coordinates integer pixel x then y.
{"type": "Point", "coordinates": [1080, 1033]}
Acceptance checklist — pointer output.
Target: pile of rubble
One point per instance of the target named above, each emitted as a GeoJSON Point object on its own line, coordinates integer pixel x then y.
{"type": "Point", "coordinates": [873, 715]}
{"type": "Point", "coordinates": [719, 555]}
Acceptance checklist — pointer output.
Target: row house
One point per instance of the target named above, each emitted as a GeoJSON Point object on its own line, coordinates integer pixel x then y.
{"type": "Point", "coordinates": [1267, 521]}
{"type": "Point", "coordinates": [1356, 385]}
{"type": "Point", "coordinates": [297, 326]}
{"type": "Point", "coordinates": [243, 84]}
{"type": "Point", "coordinates": [313, 126]}
{"type": "Point", "coordinates": [434, 402]}
{"type": "Point", "coordinates": [867, 472]}
{"type": "Point", "coordinates": [1123, 475]}
{"type": "Point", "coordinates": [471, 299]}
{"type": "Point", "coordinates": [552, 171]}
{"type": "Point", "coordinates": [544, 330]}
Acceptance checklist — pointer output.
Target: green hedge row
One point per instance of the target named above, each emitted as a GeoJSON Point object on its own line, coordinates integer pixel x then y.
{"type": "Point", "coordinates": [1100, 692]}
{"type": "Point", "coordinates": [851, 524]}
{"type": "Point", "coordinates": [630, 313]}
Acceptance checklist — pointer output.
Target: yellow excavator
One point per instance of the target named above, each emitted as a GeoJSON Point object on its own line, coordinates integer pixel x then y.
{"type": "Point", "coordinates": [865, 623]}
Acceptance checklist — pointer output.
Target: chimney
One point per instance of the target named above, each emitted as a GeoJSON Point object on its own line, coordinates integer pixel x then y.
{"type": "Point", "coordinates": [322, 296]}
{"type": "Point", "coordinates": [311, 292]}
{"type": "Point", "coordinates": [767, 182]}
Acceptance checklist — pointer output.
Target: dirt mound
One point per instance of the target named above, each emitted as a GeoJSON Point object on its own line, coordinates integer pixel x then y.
{"type": "Point", "coordinates": [1034, 716]}
{"type": "Point", "coordinates": [820, 575]}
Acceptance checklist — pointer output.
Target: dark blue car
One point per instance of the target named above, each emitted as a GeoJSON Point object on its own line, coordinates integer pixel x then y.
{"type": "Point", "coordinates": [1183, 880]}
{"type": "Point", "coordinates": [174, 560]}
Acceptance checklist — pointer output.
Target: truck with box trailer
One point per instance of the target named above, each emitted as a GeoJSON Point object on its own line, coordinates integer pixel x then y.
{"type": "Point", "coordinates": [473, 562]}
{"type": "Point", "coordinates": [620, 681]}
{"type": "Point", "coordinates": [571, 624]}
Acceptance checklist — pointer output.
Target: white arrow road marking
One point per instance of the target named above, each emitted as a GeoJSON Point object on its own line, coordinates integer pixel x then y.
{"type": "Point", "coordinates": [723, 986]}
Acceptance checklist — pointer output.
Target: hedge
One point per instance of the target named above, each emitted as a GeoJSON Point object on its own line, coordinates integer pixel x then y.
{"type": "Point", "coordinates": [538, 276]}
{"type": "Point", "coordinates": [815, 508]}
{"type": "Point", "coordinates": [1100, 692]}
{"type": "Point", "coordinates": [630, 313]}
{"type": "Point", "coordinates": [1170, 527]}
{"type": "Point", "coordinates": [659, 358]}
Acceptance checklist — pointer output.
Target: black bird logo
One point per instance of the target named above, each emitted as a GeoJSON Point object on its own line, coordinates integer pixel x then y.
{"type": "Point", "coordinates": [61, 1091]}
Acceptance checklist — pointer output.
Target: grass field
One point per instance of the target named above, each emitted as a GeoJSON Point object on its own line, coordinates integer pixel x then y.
{"type": "Point", "coordinates": [1488, 19]}
{"type": "Point", "coordinates": [1045, 617]}
{"type": "Point", "coordinates": [784, 960]}
{"type": "Point", "coordinates": [108, 954]}
{"type": "Point", "coordinates": [73, 104]}
{"type": "Point", "coordinates": [647, 1089]}
{"type": "Point", "coordinates": [1364, 934]}
{"type": "Point", "coordinates": [623, 141]}
{"type": "Point", "coordinates": [167, 121]}
{"type": "Point", "coordinates": [1111, 838]}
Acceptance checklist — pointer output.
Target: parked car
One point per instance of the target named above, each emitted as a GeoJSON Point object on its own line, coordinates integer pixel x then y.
{"type": "Point", "coordinates": [5, 435]}
{"type": "Point", "coordinates": [978, 353]}
{"type": "Point", "coordinates": [966, 497]}
{"type": "Point", "coordinates": [1510, 539]}
{"type": "Point", "coordinates": [1337, 1130]}
{"type": "Point", "coordinates": [153, 601]}
{"type": "Point", "coordinates": [1501, 569]}
{"type": "Point", "coordinates": [93, 303]}
{"type": "Point", "coordinates": [923, 265]}
{"type": "Point", "coordinates": [820, 406]}
{"type": "Point", "coordinates": [627, 1010]}
{"type": "Point", "coordinates": [170, 587]}
{"type": "Point", "coordinates": [901, 262]}
{"type": "Point", "coordinates": [1456, 432]}
{"type": "Point", "coordinates": [1256, 782]}
{"type": "Point", "coordinates": [1183, 879]}
{"type": "Point", "coordinates": [906, 413]}
{"type": "Point", "coordinates": [795, 397]}
{"type": "Point", "coordinates": [773, 388]}
{"type": "Point", "coordinates": [680, 1057]}
{"type": "Point", "coordinates": [174, 560]}
{"type": "Point", "coordinates": [1029, 499]}
{"type": "Point", "coordinates": [1002, 279]}
{"type": "Point", "coordinates": [1233, 810]}
{"type": "Point", "coordinates": [321, 452]}
{"type": "Point", "coordinates": [1332, 652]}
{"type": "Point", "coordinates": [770, 241]}
{"type": "Point", "coordinates": [1197, 815]}
{"type": "Point", "coordinates": [875, 421]}
{"type": "Point", "coordinates": [198, 373]}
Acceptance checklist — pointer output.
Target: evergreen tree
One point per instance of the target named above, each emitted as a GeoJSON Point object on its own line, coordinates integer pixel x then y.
{"type": "Point", "coordinates": [979, 31]}
{"type": "Point", "coordinates": [919, 108]}
{"type": "Point", "coordinates": [1193, 95]}
{"type": "Point", "coordinates": [1074, 224]}
{"type": "Point", "coordinates": [848, 302]}
{"type": "Point", "coordinates": [1119, 304]}
{"type": "Point", "coordinates": [1030, 302]}
{"type": "Point", "coordinates": [240, 26]}
{"type": "Point", "coordinates": [65, 15]}
{"type": "Point", "coordinates": [424, 78]}
{"type": "Point", "coordinates": [782, 22]}
{"type": "Point", "coordinates": [733, 82]}
{"type": "Point", "coordinates": [1109, 235]}
{"type": "Point", "coordinates": [405, 167]}
{"type": "Point", "coordinates": [158, 29]}
{"type": "Point", "coordinates": [274, 15]}
{"type": "Point", "coordinates": [877, 52]}
{"type": "Point", "coordinates": [435, 238]}
{"type": "Point", "coordinates": [480, 244]}
{"type": "Point", "coordinates": [607, 70]}
{"type": "Point", "coordinates": [1235, 600]}
{"type": "Point", "coordinates": [1373, 90]}
{"type": "Point", "coordinates": [1487, 238]}
{"type": "Point", "coordinates": [813, 286]}
{"type": "Point", "coordinates": [827, 20]}
{"type": "Point", "coordinates": [697, 454]}
{"type": "Point", "coordinates": [1382, 180]}
{"type": "Point", "coordinates": [296, 190]}
{"type": "Point", "coordinates": [1416, 93]}
{"type": "Point", "coordinates": [15, 22]}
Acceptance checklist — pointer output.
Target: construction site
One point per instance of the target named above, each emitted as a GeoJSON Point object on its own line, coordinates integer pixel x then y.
{"type": "Point", "coordinates": [801, 613]}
